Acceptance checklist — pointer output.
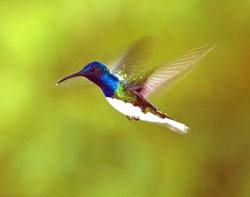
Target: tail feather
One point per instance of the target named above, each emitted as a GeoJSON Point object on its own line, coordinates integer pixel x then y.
{"type": "Point", "coordinates": [172, 124]}
{"type": "Point", "coordinates": [176, 126]}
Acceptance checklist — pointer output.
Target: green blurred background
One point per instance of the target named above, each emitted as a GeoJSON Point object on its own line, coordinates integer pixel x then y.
{"type": "Point", "coordinates": [68, 141]}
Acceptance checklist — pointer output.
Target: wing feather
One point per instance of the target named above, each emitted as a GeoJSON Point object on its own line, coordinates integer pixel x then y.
{"type": "Point", "coordinates": [134, 59]}
{"type": "Point", "coordinates": [171, 70]}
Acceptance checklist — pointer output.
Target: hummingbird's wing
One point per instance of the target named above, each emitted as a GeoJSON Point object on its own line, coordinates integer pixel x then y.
{"type": "Point", "coordinates": [152, 79]}
{"type": "Point", "coordinates": [134, 59]}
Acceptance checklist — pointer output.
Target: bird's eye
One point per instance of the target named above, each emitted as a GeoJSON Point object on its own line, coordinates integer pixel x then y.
{"type": "Point", "coordinates": [92, 69]}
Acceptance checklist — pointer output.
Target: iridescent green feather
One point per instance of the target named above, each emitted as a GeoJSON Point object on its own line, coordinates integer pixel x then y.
{"type": "Point", "coordinates": [124, 94]}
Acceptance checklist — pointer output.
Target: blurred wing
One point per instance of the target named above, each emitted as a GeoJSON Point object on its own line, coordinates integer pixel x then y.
{"type": "Point", "coordinates": [134, 59]}
{"type": "Point", "coordinates": [171, 70]}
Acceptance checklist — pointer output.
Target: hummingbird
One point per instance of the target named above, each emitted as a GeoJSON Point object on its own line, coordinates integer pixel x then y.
{"type": "Point", "coordinates": [126, 89]}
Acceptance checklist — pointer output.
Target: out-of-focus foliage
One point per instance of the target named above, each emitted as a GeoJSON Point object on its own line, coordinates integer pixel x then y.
{"type": "Point", "coordinates": [68, 141]}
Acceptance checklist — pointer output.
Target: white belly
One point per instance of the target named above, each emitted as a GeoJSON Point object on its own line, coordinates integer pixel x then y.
{"type": "Point", "coordinates": [129, 109]}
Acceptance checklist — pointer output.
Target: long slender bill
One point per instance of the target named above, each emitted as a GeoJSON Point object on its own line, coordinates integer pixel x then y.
{"type": "Point", "coordinates": [77, 74]}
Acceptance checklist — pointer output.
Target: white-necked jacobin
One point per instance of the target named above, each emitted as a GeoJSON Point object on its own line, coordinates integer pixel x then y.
{"type": "Point", "coordinates": [126, 90]}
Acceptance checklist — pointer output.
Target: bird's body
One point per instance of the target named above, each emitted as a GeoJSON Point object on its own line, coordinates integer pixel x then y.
{"type": "Point", "coordinates": [132, 104]}
{"type": "Point", "coordinates": [127, 94]}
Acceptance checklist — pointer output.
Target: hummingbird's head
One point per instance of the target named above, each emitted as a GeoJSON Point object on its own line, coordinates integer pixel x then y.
{"type": "Point", "coordinates": [93, 71]}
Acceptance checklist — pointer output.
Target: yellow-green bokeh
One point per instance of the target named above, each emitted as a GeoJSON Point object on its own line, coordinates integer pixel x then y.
{"type": "Point", "coordinates": [68, 141]}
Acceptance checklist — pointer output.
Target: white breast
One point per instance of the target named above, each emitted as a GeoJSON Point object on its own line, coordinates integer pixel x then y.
{"type": "Point", "coordinates": [129, 109]}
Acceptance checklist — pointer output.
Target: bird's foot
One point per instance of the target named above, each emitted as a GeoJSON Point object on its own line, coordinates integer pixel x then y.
{"type": "Point", "coordinates": [132, 118]}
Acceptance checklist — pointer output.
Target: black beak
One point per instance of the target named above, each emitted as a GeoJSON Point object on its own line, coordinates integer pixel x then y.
{"type": "Point", "coordinates": [77, 74]}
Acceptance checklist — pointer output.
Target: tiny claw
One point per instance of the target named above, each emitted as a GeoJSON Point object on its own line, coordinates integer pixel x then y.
{"type": "Point", "coordinates": [129, 118]}
{"type": "Point", "coordinates": [132, 118]}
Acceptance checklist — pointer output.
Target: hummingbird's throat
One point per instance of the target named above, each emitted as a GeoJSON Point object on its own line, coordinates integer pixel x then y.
{"type": "Point", "coordinates": [108, 83]}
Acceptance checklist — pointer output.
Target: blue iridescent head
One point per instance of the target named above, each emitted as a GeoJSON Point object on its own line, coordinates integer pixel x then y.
{"type": "Point", "coordinates": [93, 71]}
{"type": "Point", "coordinates": [98, 73]}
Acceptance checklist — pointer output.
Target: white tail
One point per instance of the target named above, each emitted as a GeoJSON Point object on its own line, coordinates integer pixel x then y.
{"type": "Point", "coordinates": [176, 126]}
{"type": "Point", "coordinates": [133, 111]}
